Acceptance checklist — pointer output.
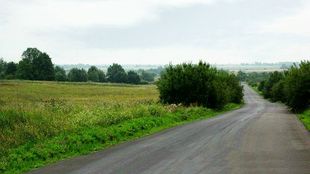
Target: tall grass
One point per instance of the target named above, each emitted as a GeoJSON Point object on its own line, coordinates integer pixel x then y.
{"type": "Point", "coordinates": [42, 122]}
{"type": "Point", "coordinates": [305, 118]}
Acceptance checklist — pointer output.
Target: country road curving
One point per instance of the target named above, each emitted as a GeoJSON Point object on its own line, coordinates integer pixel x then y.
{"type": "Point", "coordinates": [262, 137]}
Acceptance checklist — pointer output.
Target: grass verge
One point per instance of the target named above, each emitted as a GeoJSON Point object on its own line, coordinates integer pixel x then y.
{"type": "Point", "coordinates": [93, 138]}
{"type": "Point", "coordinates": [304, 117]}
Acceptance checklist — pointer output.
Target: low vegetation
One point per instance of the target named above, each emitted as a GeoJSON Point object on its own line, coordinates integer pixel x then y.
{"type": "Point", "coordinates": [42, 122]}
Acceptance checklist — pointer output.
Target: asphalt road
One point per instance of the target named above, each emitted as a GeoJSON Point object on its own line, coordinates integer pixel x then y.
{"type": "Point", "coordinates": [262, 137]}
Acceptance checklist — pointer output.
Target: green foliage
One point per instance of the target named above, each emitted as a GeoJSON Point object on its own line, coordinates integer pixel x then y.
{"type": "Point", "coordinates": [147, 76]}
{"type": "Point", "coordinates": [253, 78]}
{"type": "Point", "coordinates": [305, 118]}
{"type": "Point", "coordinates": [25, 69]}
{"type": "Point", "coordinates": [133, 77]}
{"type": "Point", "coordinates": [261, 86]}
{"type": "Point", "coordinates": [273, 79]}
{"type": "Point", "coordinates": [116, 74]}
{"type": "Point", "coordinates": [101, 75]}
{"type": "Point", "coordinates": [77, 75]}
{"type": "Point", "coordinates": [242, 76]}
{"type": "Point", "coordinates": [93, 74]}
{"type": "Point", "coordinates": [297, 86]}
{"type": "Point", "coordinates": [35, 65]}
{"type": "Point", "coordinates": [199, 84]}
{"type": "Point", "coordinates": [11, 69]}
{"type": "Point", "coordinates": [2, 68]}
{"type": "Point", "coordinates": [291, 87]}
{"type": "Point", "coordinates": [60, 74]}
{"type": "Point", "coordinates": [277, 92]}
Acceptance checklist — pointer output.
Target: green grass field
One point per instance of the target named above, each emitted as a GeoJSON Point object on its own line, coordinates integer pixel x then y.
{"type": "Point", "coordinates": [43, 122]}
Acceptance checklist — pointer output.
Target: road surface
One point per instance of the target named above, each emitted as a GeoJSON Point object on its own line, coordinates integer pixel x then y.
{"type": "Point", "coordinates": [262, 137]}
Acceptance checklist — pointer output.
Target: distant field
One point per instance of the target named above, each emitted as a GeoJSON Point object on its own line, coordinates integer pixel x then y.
{"type": "Point", "coordinates": [42, 122]}
{"type": "Point", "coordinates": [15, 93]}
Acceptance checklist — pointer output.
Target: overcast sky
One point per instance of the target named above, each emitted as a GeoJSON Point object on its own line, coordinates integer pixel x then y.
{"type": "Point", "coordinates": [157, 31]}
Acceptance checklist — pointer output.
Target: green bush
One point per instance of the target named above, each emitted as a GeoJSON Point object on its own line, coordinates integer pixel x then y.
{"type": "Point", "coordinates": [297, 86]}
{"type": "Point", "coordinates": [291, 87]}
{"type": "Point", "coordinates": [201, 84]}
{"type": "Point", "coordinates": [274, 78]}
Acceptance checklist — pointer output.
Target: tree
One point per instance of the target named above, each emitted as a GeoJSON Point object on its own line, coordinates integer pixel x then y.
{"type": "Point", "coordinates": [116, 74]}
{"type": "Point", "coordinates": [77, 75]}
{"type": "Point", "coordinates": [241, 76]}
{"type": "Point", "coordinates": [261, 85]}
{"type": "Point", "coordinates": [297, 87]}
{"type": "Point", "coordinates": [25, 70]}
{"type": "Point", "coordinates": [146, 76]}
{"type": "Point", "coordinates": [35, 65]}
{"type": "Point", "coordinates": [10, 71]}
{"type": "Point", "coordinates": [43, 68]}
{"type": "Point", "coordinates": [93, 74]}
{"type": "Point", "coordinates": [3, 65]}
{"type": "Point", "coordinates": [60, 74]}
{"type": "Point", "coordinates": [277, 92]}
{"type": "Point", "coordinates": [198, 84]}
{"type": "Point", "coordinates": [291, 87]}
{"type": "Point", "coordinates": [102, 77]}
{"type": "Point", "coordinates": [133, 77]}
{"type": "Point", "coordinates": [274, 78]}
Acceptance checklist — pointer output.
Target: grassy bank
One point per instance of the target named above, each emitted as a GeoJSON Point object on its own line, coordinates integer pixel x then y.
{"type": "Point", "coordinates": [305, 118]}
{"type": "Point", "coordinates": [43, 122]}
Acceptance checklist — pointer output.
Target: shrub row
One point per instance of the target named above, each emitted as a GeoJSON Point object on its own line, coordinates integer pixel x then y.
{"type": "Point", "coordinates": [291, 87]}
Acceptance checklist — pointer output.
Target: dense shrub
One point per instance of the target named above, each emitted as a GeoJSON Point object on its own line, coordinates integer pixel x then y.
{"type": "Point", "coordinates": [273, 79]}
{"type": "Point", "coordinates": [277, 91]}
{"type": "Point", "coordinates": [297, 86]}
{"type": "Point", "coordinates": [291, 87]}
{"type": "Point", "coordinates": [198, 84]}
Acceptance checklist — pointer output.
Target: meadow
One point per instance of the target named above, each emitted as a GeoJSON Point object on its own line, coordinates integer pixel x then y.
{"type": "Point", "coordinates": [43, 122]}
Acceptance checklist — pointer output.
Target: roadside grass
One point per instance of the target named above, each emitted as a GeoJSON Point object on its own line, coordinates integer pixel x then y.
{"type": "Point", "coordinates": [305, 118]}
{"type": "Point", "coordinates": [44, 122]}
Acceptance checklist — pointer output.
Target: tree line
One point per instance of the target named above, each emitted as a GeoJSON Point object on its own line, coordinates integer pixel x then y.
{"type": "Point", "coordinates": [199, 84]}
{"type": "Point", "coordinates": [291, 87]}
{"type": "Point", "coordinates": [37, 65]}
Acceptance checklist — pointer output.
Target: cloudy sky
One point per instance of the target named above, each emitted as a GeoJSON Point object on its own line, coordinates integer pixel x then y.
{"type": "Point", "coordinates": [157, 31]}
